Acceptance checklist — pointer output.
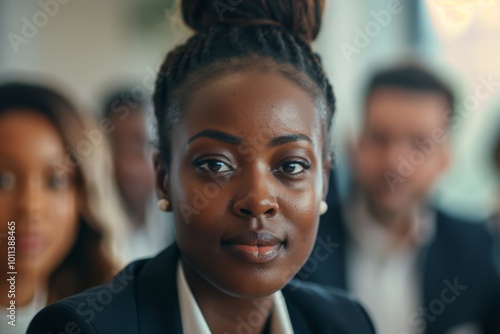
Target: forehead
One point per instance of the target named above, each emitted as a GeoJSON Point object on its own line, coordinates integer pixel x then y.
{"type": "Point", "coordinates": [249, 103]}
{"type": "Point", "coordinates": [406, 110]}
{"type": "Point", "coordinates": [27, 136]}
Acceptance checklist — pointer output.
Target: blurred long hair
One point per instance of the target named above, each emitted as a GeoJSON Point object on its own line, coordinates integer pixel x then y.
{"type": "Point", "coordinates": [92, 259]}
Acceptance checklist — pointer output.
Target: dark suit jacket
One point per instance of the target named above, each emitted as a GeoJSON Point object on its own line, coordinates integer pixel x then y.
{"type": "Point", "coordinates": [460, 282]}
{"type": "Point", "coordinates": [143, 299]}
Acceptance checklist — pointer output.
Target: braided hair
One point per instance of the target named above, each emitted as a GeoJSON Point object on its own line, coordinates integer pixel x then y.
{"type": "Point", "coordinates": [242, 35]}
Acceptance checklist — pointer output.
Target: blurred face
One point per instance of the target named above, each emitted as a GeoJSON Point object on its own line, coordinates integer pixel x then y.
{"type": "Point", "coordinates": [402, 149]}
{"type": "Point", "coordinates": [42, 203]}
{"type": "Point", "coordinates": [245, 182]}
{"type": "Point", "coordinates": [134, 171]}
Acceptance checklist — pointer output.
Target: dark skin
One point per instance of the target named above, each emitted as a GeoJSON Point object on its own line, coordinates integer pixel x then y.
{"type": "Point", "coordinates": [267, 174]}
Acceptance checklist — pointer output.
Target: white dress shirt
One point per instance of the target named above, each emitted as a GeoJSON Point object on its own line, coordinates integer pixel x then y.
{"type": "Point", "coordinates": [193, 321]}
{"type": "Point", "coordinates": [382, 272]}
{"type": "Point", "coordinates": [24, 314]}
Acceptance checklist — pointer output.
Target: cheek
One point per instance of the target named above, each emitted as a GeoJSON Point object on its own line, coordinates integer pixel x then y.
{"type": "Point", "coordinates": [301, 213]}
{"type": "Point", "coordinates": [368, 160]}
{"type": "Point", "coordinates": [300, 208]}
{"type": "Point", "coordinates": [65, 216]}
{"type": "Point", "coordinates": [7, 212]}
{"type": "Point", "coordinates": [61, 229]}
{"type": "Point", "coordinates": [200, 207]}
{"type": "Point", "coordinates": [427, 171]}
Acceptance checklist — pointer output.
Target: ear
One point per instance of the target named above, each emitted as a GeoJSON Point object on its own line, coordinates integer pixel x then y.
{"type": "Point", "coordinates": [161, 177]}
{"type": "Point", "coordinates": [446, 157]}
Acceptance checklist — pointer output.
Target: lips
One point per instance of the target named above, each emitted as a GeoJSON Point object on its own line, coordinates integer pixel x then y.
{"type": "Point", "coordinates": [29, 243]}
{"type": "Point", "coordinates": [254, 247]}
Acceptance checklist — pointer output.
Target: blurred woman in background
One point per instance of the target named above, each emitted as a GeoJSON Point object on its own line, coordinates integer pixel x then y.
{"type": "Point", "coordinates": [54, 178]}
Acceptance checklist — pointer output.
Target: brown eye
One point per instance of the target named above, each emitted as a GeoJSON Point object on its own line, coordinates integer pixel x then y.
{"type": "Point", "coordinates": [214, 166]}
{"type": "Point", "coordinates": [58, 181]}
{"type": "Point", "coordinates": [293, 167]}
{"type": "Point", "coordinates": [378, 139]}
{"type": "Point", "coordinates": [7, 180]}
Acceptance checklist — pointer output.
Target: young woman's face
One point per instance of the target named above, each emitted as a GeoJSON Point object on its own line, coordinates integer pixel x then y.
{"type": "Point", "coordinates": [245, 182]}
{"type": "Point", "coordinates": [41, 200]}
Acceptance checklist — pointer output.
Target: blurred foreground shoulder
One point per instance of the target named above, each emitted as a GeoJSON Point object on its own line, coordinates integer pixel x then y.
{"type": "Point", "coordinates": [108, 308]}
{"type": "Point", "coordinates": [325, 309]}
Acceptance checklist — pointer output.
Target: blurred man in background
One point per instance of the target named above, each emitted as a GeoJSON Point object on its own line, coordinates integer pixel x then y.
{"type": "Point", "coordinates": [131, 136]}
{"type": "Point", "coordinates": [415, 268]}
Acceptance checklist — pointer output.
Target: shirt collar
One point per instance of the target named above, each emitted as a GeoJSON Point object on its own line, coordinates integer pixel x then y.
{"type": "Point", "coordinates": [194, 322]}
{"type": "Point", "coordinates": [374, 237]}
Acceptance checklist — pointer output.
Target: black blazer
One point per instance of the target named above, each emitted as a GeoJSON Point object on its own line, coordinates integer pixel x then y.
{"type": "Point", "coordinates": [460, 255]}
{"type": "Point", "coordinates": [143, 299]}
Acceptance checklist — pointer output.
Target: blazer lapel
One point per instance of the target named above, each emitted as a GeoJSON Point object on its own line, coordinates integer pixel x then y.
{"type": "Point", "coordinates": [157, 299]}
{"type": "Point", "coordinates": [298, 322]}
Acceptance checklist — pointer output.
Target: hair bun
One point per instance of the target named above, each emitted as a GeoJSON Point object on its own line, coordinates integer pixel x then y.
{"type": "Point", "coordinates": [300, 17]}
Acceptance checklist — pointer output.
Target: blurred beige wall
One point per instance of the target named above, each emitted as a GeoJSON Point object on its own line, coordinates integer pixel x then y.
{"type": "Point", "coordinates": [86, 44]}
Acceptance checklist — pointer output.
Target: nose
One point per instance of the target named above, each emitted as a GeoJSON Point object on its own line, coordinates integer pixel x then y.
{"type": "Point", "coordinates": [30, 198]}
{"type": "Point", "coordinates": [256, 197]}
{"type": "Point", "coordinates": [395, 152]}
{"type": "Point", "coordinates": [253, 207]}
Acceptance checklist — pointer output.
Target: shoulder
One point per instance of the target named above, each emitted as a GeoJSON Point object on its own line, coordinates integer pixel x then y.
{"type": "Point", "coordinates": [462, 232]}
{"type": "Point", "coordinates": [326, 309]}
{"type": "Point", "coordinates": [97, 310]}
{"type": "Point", "coordinates": [465, 249]}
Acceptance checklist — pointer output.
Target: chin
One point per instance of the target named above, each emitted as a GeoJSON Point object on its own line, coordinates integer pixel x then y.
{"type": "Point", "coordinates": [386, 208]}
{"type": "Point", "coordinates": [254, 286]}
{"type": "Point", "coordinates": [28, 267]}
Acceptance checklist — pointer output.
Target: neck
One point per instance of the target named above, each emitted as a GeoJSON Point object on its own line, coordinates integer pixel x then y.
{"type": "Point", "coordinates": [397, 223]}
{"type": "Point", "coordinates": [138, 215]}
{"type": "Point", "coordinates": [224, 313]}
{"type": "Point", "coordinates": [25, 287]}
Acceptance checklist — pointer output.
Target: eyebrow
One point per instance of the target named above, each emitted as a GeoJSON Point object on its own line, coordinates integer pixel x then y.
{"type": "Point", "coordinates": [227, 138]}
{"type": "Point", "coordinates": [217, 135]}
{"type": "Point", "coordinates": [285, 139]}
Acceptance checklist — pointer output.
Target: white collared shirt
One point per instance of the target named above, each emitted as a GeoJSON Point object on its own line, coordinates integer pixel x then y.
{"type": "Point", "coordinates": [193, 321]}
{"type": "Point", "coordinates": [24, 314]}
{"type": "Point", "coordinates": [385, 275]}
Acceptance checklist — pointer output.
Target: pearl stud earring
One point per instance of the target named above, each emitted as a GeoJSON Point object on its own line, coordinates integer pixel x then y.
{"type": "Point", "coordinates": [163, 205]}
{"type": "Point", "coordinates": [323, 208]}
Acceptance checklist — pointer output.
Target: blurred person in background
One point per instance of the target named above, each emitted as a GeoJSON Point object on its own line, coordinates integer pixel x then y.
{"type": "Point", "coordinates": [415, 268]}
{"type": "Point", "coordinates": [151, 230]}
{"type": "Point", "coordinates": [57, 199]}
{"type": "Point", "coordinates": [495, 221]}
